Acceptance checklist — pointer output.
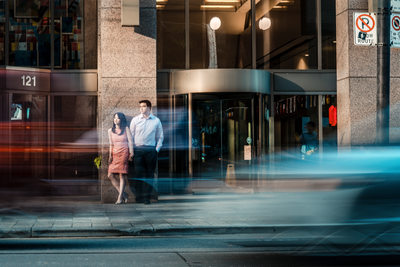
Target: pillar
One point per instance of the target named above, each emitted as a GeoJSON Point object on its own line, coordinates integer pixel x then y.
{"type": "Point", "coordinates": [357, 82]}
{"type": "Point", "coordinates": [126, 72]}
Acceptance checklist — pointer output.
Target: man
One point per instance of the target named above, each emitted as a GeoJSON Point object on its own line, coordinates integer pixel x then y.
{"type": "Point", "coordinates": [147, 134]}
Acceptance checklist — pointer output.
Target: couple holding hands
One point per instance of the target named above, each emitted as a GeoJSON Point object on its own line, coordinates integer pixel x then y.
{"type": "Point", "coordinates": [140, 142]}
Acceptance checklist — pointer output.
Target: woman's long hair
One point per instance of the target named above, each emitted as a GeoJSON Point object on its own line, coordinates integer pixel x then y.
{"type": "Point", "coordinates": [122, 123]}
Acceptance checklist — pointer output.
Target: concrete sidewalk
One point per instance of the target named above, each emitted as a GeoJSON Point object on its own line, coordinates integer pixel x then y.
{"type": "Point", "coordinates": [214, 208]}
{"type": "Point", "coordinates": [223, 213]}
{"type": "Point", "coordinates": [54, 217]}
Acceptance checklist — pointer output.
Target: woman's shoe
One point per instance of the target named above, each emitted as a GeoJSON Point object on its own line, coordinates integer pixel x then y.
{"type": "Point", "coordinates": [125, 197]}
{"type": "Point", "coordinates": [118, 202]}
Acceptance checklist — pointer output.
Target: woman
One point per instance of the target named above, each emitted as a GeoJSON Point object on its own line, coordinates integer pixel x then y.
{"type": "Point", "coordinates": [121, 150]}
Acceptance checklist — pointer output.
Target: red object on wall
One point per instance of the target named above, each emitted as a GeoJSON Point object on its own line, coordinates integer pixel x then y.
{"type": "Point", "coordinates": [332, 115]}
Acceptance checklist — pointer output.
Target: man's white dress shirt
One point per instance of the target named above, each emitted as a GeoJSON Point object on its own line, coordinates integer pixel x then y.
{"type": "Point", "coordinates": [147, 131]}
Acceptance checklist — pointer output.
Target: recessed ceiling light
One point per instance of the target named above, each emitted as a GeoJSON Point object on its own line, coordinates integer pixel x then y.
{"type": "Point", "coordinates": [280, 7]}
{"type": "Point", "coordinates": [217, 7]}
{"type": "Point", "coordinates": [223, 1]}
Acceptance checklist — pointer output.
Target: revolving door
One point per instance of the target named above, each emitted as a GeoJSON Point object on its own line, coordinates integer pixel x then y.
{"type": "Point", "coordinates": [221, 120]}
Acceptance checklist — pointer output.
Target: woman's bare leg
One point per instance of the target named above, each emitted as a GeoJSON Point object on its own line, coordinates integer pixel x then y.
{"type": "Point", "coordinates": [121, 187]}
{"type": "Point", "coordinates": [114, 182]}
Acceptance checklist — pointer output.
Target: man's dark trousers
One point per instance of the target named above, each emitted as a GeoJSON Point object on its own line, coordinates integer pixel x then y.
{"type": "Point", "coordinates": [145, 165]}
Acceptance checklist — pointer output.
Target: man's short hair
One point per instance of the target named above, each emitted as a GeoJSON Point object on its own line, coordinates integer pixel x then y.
{"type": "Point", "coordinates": [147, 102]}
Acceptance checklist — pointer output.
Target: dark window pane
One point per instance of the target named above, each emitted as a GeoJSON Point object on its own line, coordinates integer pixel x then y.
{"type": "Point", "coordinates": [328, 34]}
{"type": "Point", "coordinates": [75, 137]}
{"type": "Point", "coordinates": [291, 40]}
{"type": "Point", "coordinates": [2, 31]}
{"type": "Point", "coordinates": [171, 35]}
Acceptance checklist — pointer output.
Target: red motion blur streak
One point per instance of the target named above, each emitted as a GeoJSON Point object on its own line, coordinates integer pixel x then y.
{"type": "Point", "coordinates": [34, 137]}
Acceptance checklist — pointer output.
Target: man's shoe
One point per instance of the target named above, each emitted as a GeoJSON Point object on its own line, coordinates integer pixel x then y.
{"type": "Point", "coordinates": [147, 201]}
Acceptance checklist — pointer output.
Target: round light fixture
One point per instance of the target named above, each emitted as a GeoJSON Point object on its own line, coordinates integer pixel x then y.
{"type": "Point", "coordinates": [264, 23]}
{"type": "Point", "coordinates": [215, 23]}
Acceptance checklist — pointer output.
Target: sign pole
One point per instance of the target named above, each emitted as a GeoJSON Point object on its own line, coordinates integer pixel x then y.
{"type": "Point", "coordinates": [383, 73]}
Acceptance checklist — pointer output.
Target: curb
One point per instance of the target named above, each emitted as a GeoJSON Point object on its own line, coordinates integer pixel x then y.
{"type": "Point", "coordinates": [198, 230]}
{"type": "Point", "coordinates": [168, 231]}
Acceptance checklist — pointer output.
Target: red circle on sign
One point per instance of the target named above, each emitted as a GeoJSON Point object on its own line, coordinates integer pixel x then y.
{"type": "Point", "coordinates": [397, 26]}
{"type": "Point", "coordinates": [369, 28]}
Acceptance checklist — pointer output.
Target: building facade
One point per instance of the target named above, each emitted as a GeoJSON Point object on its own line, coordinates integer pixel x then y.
{"type": "Point", "coordinates": [233, 82]}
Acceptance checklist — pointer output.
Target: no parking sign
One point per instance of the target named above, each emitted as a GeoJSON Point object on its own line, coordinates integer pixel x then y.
{"type": "Point", "coordinates": [395, 30]}
{"type": "Point", "coordinates": [364, 29]}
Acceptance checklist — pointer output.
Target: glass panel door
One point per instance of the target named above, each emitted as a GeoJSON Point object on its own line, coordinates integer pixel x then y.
{"type": "Point", "coordinates": [206, 140]}
{"type": "Point", "coordinates": [237, 131]}
{"type": "Point", "coordinates": [28, 138]}
{"type": "Point", "coordinates": [223, 134]}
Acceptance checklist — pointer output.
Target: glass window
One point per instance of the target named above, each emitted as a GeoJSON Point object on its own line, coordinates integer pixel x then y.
{"type": "Point", "coordinates": [28, 137]}
{"type": "Point", "coordinates": [181, 135]}
{"type": "Point", "coordinates": [74, 137]}
{"type": "Point", "coordinates": [2, 31]}
{"type": "Point", "coordinates": [265, 118]}
{"type": "Point", "coordinates": [292, 115]}
{"type": "Point", "coordinates": [223, 43]}
{"type": "Point", "coordinates": [290, 42]}
{"type": "Point", "coordinates": [328, 34]}
{"type": "Point", "coordinates": [29, 33]}
{"type": "Point", "coordinates": [30, 36]}
{"type": "Point", "coordinates": [171, 35]}
{"type": "Point", "coordinates": [329, 122]}
{"type": "Point", "coordinates": [68, 34]}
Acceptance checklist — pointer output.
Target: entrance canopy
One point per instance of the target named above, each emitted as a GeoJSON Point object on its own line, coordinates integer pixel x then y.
{"type": "Point", "coordinates": [249, 81]}
{"type": "Point", "coordinates": [221, 81]}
